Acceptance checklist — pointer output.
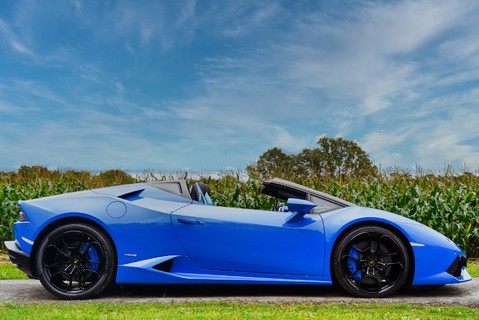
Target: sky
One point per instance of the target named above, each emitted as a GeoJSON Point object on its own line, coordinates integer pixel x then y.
{"type": "Point", "coordinates": [211, 85]}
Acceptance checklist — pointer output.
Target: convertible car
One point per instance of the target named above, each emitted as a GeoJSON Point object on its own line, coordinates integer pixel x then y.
{"type": "Point", "coordinates": [77, 244]}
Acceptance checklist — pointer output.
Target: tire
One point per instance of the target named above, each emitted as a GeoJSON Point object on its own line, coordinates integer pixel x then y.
{"type": "Point", "coordinates": [370, 262]}
{"type": "Point", "coordinates": [76, 261]}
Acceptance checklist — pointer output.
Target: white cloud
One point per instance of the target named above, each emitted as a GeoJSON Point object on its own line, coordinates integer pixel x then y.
{"type": "Point", "coordinates": [283, 139]}
{"type": "Point", "coordinates": [141, 25]}
{"type": "Point", "coordinates": [431, 142]}
{"type": "Point", "coordinates": [369, 59]}
{"type": "Point", "coordinates": [12, 40]}
{"type": "Point", "coordinates": [449, 140]}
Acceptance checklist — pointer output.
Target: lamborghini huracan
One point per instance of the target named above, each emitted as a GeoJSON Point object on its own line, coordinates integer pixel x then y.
{"type": "Point", "coordinates": [77, 244]}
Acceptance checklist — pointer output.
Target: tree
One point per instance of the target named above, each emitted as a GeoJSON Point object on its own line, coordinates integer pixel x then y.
{"type": "Point", "coordinates": [337, 158]}
{"type": "Point", "coordinates": [333, 158]}
{"type": "Point", "coordinates": [272, 163]}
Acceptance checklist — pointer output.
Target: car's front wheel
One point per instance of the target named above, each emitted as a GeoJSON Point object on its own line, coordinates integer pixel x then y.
{"type": "Point", "coordinates": [370, 261]}
{"type": "Point", "coordinates": [76, 261]}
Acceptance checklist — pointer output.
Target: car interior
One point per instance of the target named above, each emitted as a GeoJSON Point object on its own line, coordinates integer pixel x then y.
{"type": "Point", "coordinates": [201, 192]}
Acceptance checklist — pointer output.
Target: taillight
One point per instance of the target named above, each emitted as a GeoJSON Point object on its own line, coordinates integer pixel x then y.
{"type": "Point", "coordinates": [22, 217]}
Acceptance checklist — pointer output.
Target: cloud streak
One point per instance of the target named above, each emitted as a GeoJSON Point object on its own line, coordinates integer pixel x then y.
{"type": "Point", "coordinates": [12, 40]}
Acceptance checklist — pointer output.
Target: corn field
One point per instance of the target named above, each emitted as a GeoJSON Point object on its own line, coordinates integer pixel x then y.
{"type": "Point", "coordinates": [447, 203]}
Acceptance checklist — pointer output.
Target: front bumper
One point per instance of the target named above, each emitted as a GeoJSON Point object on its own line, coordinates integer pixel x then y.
{"type": "Point", "coordinates": [19, 258]}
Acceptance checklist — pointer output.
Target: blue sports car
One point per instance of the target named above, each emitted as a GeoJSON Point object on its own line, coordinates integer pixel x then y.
{"type": "Point", "coordinates": [77, 244]}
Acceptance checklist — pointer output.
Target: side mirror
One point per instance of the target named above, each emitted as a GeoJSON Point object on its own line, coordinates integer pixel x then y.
{"type": "Point", "coordinates": [298, 208]}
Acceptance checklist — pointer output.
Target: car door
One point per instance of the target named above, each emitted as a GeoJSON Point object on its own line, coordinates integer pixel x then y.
{"type": "Point", "coordinates": [254, 241]}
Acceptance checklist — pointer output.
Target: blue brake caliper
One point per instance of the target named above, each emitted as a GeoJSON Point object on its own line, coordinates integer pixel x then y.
{"type": "Point", "coordinates": [353, 263]}
{"type": "Point", "coordinates": [93, 257]}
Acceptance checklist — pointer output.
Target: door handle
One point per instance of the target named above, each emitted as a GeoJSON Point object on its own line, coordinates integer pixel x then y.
{"type": "Point", "coordinates": [189, 221]}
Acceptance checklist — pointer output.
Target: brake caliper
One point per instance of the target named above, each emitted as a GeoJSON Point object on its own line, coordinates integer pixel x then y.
{"type": "Point", "coordinates": [93, 258]}
{"type": "Point", "coordinates": [353, 261]}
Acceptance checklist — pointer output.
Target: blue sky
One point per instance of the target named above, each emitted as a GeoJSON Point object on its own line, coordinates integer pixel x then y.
{"type": "Point", "coordinates": [208, 85]}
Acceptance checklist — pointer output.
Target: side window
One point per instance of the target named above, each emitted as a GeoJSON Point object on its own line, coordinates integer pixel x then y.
{"type": "Point", "coordinates": [323, 205]}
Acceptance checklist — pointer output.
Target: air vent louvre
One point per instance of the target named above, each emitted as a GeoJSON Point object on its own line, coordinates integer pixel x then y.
{"type": "Point", "coordinates": [130, 196]}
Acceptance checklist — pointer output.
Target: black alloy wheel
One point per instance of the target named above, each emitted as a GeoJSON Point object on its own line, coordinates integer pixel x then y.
{"type": "Point", "coordinates": [76, 261]}
{"type": "Point", "coordinates": [370, 262]}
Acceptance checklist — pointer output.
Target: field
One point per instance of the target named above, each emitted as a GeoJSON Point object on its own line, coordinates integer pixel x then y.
{"type": "Point", "coordinates": [447, 203]}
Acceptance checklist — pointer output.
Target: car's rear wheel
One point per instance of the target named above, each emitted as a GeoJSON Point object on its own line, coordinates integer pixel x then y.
{"type": "Point", "coordinates": [370, 261]}
{"type": "Point", "coordinates": [76, 261]}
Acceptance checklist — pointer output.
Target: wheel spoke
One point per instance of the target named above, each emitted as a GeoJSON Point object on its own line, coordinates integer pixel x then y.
{"type": "Point", "coordinates": [382, 247]}
{"type": "Point", "coordinates": [55, 264]}
{"type": "Point", "coordinates": [368, 243]}
{"type": "Point", "coordinates": [366, 285]}
{"type": "Point", "coordinates": [386, 279]}
{"type": "Point", "coordinates": [385, 267]}
{"type": "Point", "coordinates": [87, 276]}
{"type": "Point", "coordinates": [65, 245]}
{"type": "Point", "coordinates": [64, 252]}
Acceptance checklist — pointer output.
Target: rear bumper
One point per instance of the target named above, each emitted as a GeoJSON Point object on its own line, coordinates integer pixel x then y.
{"type": "Point", "coordinates": [19, 258]}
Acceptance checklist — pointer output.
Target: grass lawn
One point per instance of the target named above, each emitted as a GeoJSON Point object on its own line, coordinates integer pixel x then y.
{"type": "Point", "coordinates": [8, 271]}
{"type": "Point", "coordinates": [473, 268]}
{"type": "Point", "coordinates": [219, 310]}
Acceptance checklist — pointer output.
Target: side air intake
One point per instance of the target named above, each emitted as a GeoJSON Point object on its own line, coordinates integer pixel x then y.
{"type": "Point", "coordinates": [164, 266]}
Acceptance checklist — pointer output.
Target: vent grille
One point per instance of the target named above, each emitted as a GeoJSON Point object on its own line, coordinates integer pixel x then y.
{"type": "Point", "coordinates": [455, 269]}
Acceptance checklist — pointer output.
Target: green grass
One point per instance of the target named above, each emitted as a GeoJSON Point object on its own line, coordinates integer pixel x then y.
{"type": "Point", "coordinates": [8, 271]}
{"type": "Point", "coordinates": [473, 268]}
{"type": "Point", "coordinates": [219, 310]}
